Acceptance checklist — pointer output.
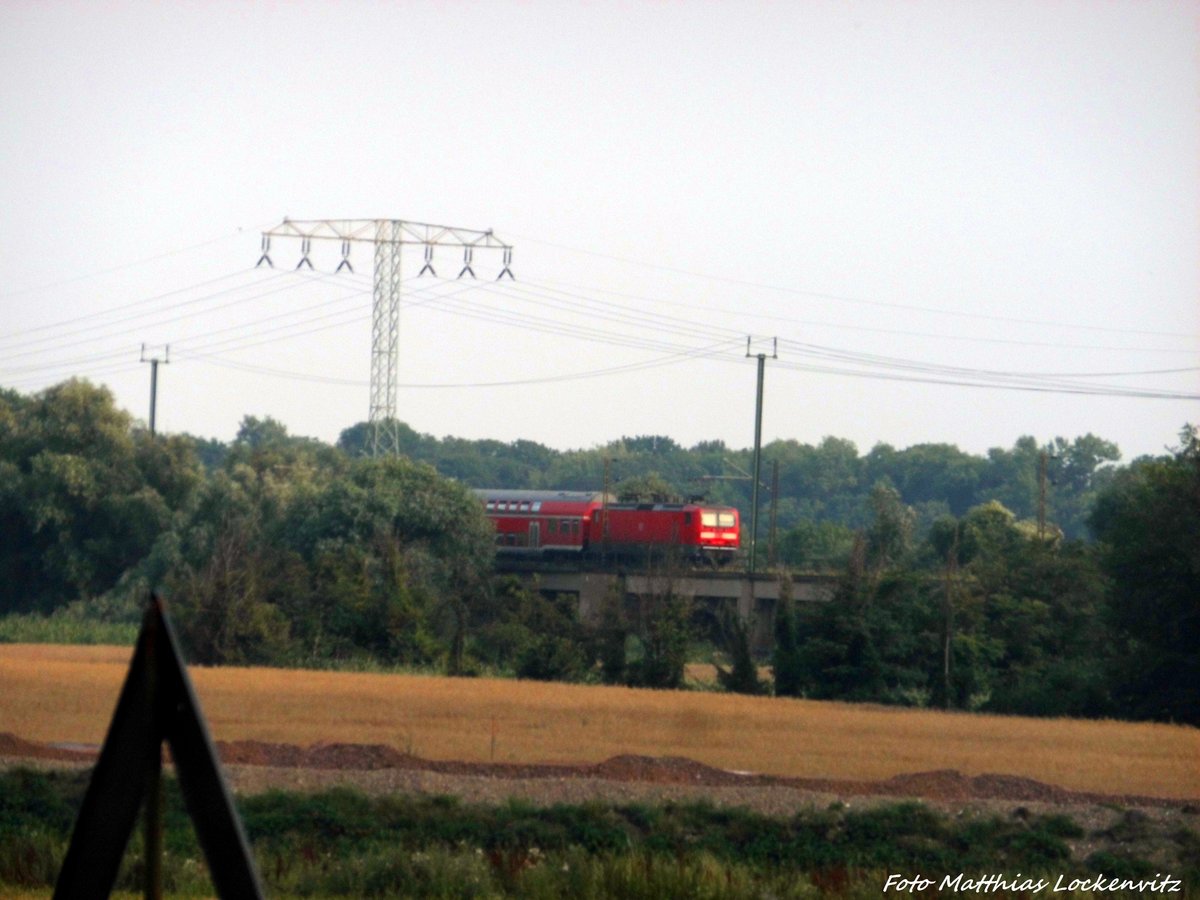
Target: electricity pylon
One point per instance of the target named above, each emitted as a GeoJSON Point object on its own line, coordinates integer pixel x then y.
{"type": "Point", "coordinates": [388, 237]}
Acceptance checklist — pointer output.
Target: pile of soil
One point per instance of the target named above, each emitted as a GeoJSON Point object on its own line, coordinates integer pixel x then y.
{"type": "Point", "coordinates": [942, 785]}
{"type": "Point", "coordinates": [13, 746]}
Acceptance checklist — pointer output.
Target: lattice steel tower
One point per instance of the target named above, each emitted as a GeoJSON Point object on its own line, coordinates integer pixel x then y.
{"type": "Point", "coordinates": [389, 236]}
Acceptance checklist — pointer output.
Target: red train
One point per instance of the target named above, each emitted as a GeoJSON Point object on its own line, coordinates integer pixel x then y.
{"type": "Point", "coordinates": [580, 523]}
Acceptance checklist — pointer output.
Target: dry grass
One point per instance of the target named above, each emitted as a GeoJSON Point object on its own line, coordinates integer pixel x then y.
{"type": "Point", "coordinates": [67, 694]}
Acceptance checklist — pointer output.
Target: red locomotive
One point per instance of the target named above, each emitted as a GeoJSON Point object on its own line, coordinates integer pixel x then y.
{"type": "Point", "coordinates": [583, 524]}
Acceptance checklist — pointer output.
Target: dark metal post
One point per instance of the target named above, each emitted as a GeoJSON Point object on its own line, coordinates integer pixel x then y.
{"type": "Point", "coordinates": [1041, 520]}
{"type": "Point", "coordinates": [757, 474]}
{"type": "Point", "coordinates": [154, 361]}
{"type": "Point", "coordinates": [774, 511]}
{"type": "Point", "coordinates": [153, 393]}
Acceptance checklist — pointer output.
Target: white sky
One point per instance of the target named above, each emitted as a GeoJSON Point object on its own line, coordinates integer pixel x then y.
{"type": "Point", "coordinates": [1000, 186]}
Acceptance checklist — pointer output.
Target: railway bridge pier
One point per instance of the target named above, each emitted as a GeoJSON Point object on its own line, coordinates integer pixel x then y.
{"type": "Point", "coordinates": [710, 592]}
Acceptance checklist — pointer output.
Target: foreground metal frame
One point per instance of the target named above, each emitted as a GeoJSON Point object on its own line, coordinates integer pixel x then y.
{"type": "Point", "coordinates": [157, 703]}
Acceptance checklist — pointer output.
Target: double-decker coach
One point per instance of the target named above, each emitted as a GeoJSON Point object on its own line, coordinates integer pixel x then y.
{"type": "Point", "coordinates": [540, 522]}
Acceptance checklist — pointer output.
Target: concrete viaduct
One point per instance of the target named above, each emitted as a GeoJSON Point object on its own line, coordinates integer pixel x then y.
{"type": "Point", "coordinates": [753, 598]}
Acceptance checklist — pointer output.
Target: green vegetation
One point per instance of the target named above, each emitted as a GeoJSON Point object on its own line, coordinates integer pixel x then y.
{"type": "Point", "coordinates": [986, 613]}
{"type": "Point", "coordinates": [67, 626]}
{"type": "Point", "coordinates": [342, 843]}
{"type": "Point", "coordinates": [280, 550]}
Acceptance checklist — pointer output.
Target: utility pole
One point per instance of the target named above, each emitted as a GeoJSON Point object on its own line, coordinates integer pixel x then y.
{"type": "Point", "coordinates": [1042, 496]}
{"type": "Point", "coordinates": [756, 477]}
{"type": "Point", "coordinates": [1043, 458]}
{"type": "Point", "coordinates": [604, 511]}
{"type": "Point", "coordinates": [154, 361]}
{"type": "Point", "coordinates": [774, 511]}
{"type": "Point", "coordinates": [949, 584]}
{"type": "Point", "coordinates": [388, 236]}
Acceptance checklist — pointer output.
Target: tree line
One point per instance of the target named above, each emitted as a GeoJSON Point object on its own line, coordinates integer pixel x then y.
{"type": "Point", "coordinates": [1043, 579]}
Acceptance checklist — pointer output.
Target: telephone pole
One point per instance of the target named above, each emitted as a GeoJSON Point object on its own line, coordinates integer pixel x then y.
{"type": "Point", "coordinates": [756, 477]}
{"type": "Point", "coordinates": [388, 236]}
{"type": "Point", "coordinates": [1043, 458]}
{"type": "Point", "coordinates": [154, 361]}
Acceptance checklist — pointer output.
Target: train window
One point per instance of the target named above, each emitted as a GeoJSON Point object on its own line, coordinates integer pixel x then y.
{"type": "Point", "coordinates": [524, 506]}
{"type": "Point", "coordinates": [725, 520]}
{"type": "Point", "coordinates": [537, 505]}
{"type": "Point", "coordinates": [552, 526]}
{"type": "Point", "coordinates": [491, 505]}
{"type": "Point", "coordinates": [708, 519]}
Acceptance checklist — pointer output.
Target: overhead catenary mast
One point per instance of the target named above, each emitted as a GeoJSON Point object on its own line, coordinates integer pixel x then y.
{"type": "Point", "coordinates": [388, 237]}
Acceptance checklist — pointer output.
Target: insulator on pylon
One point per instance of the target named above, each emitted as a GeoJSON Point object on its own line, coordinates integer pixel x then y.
{"type": "Point", "coordinates": [506, 270]}
{"type": "Point", "coordinates": [266, 253]}
{"type": "Point", "coordinates": [305, 246]}
{"type": "Point", "coordinates": [468, 252]}
{"type": "Point", "coordinates": [345, 258]}
{"type": "Point", "coordinates": [428, 267]}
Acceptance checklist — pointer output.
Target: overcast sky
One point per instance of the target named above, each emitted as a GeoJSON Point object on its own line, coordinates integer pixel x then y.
{"type": "Point", "coordinates": [923, 201]}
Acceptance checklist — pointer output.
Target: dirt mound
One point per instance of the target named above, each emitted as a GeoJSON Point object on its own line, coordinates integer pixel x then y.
{"type": "Point", "coordinates": [355, 756]}
{"type": "Point", "coordinates": [663, 770]}
{"type": "Point", "coordinates": [943, 784]}
{"type": "Point", "coordinates": [1013, 787]}
{"type": "Point", "coordinates": [11, 745]}
{"type": "Point", "coordinates": [949, 784]}
{"type": "Point", "coordinates": [316, 756]}
{"type": "Point", "coordinates": [260, 753]}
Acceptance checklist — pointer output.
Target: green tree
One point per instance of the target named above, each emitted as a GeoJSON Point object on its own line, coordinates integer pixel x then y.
{"type": "Point", "coordinates": [889, 537]}
{"type": "Point", "coordinates": [1077, 471]}
{"type": "Point", "coordinates": [365, 557]}
{"type": "Point", "coordinates": [1148, 523]}
{"type": "Point", "coordinates": [531, 635]}
{"type": "Point", "coordinates": [648, 488]}
{"type": "Point", "coordinates": [1021, 627]}
{"type": "Point", "coordinates": [663, 633]}
{"type": "Point", "coordinates": [816, 546]}
{"type": "Point", "coordinates": [85, 494]}
{"type": "Point", "coordinates": [613, 635]}
{"type": "Point", "coordinates": [786, 662]}
{"type": "Point", "coordinates": [742, 675]}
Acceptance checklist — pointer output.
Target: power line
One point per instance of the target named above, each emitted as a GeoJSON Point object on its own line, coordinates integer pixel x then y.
{"type": "Point", "coordinates": [660, 362]}
{"type": "Point", "coordinates": [20, 335]}
{"type": "Point", "coordinates": [842, 298]}
{"type": "Point", "coordinates": [810, 323]}
{"type": "Point", "coordinates": [120, 268]}
{"type": "Point", "coordinates": [557, 313]}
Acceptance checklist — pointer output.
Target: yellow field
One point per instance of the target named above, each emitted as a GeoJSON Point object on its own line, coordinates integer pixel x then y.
{"type": "Point", "coordinates": [67, 694]}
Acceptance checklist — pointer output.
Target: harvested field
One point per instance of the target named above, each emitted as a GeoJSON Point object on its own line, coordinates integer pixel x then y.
{"type": "Point", "coordinates": [322, 721]}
